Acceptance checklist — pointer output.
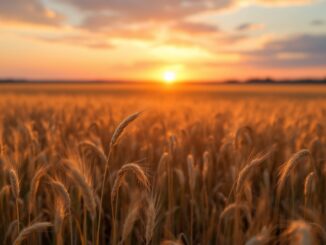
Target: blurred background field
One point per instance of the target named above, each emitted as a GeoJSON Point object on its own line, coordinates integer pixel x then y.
{"type": "Point", "coordinates": [212, 91]}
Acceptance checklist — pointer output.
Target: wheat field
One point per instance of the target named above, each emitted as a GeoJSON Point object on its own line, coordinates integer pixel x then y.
{"type": "Point", "coordinates": [109, 165]}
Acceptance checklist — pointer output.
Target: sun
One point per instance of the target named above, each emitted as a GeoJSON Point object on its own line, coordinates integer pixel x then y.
{"type": "Point", "coordinates": [169, 76]}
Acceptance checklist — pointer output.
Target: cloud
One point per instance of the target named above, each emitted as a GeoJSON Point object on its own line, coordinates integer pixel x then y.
{"type": "Point", "coordinates": [147, 31]}
{"type": "Point", "coordinates": [317, 22]}
{"type": "Point", "coordinates": [195, 28]}
{"type": "Point", "coordinates": [145, 10]}
{"type": "Point", "coordinates": [28, 11]}
{"type": "Point", "coordinates": [249, 27]}
{"type": "Point", "coordinates": [100, 22]}
{"type": "Point", "coordinates": [114, 28]}
{"type": "Point", "coordinates": [112, 16]}
{"type": "Point", "coordinates": [103, 13]}
{"type": "Point", "coordinates": [167, 9]}
{"type": "Point", "coordinates": [279, 2]}
{"type": "Point", "coordinates": [297, 51]}
{"type": "Point", "coordinates": [80, 40]}
{"type": "Point", "coordinates": [144, 19]}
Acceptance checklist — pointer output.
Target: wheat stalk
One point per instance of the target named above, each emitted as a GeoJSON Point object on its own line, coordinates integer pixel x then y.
{"type": "Point", "coordinates": [14, 183]}
{"type": "Point", "coordinates": [309, 183]}
{"type": "Point", "coordinates": [247, 170]}
{"type": "Point", "coordinates": [15, 189]}
{"type": "Point", "coordinates": [142, 179]}
{"type": "Point", "coordinates": [94, 149]}
{"type": "Point", "coordinates": [114, 139]}
{"type": "Point", "coordinates": [37, 227]}
{"type": "Point", "coordinates": [130, 220]}
{"type": "Point", "coordinates": [132, 168]}
{"type": "Point", "coordinates": [34, 187]}
{"type": "Point", "coordinates": [287, 167]}
{"type": "Point", "coordinates": [151, 218]}
{"type": "Point", "coordinates": [122, 126]}
{"type": "Point", "coordinates": [83, 186]}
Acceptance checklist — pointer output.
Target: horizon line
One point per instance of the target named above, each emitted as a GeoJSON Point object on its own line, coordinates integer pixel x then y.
{"type": "Point", "coordinates": [147, 81]}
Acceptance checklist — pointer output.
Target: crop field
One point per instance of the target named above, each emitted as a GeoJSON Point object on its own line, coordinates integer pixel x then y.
{"type": "Point", "coordinates": [155, 164]}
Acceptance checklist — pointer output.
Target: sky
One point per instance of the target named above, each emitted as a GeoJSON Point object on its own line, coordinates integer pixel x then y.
{"type": "Point", "coordinates": [204, 40]}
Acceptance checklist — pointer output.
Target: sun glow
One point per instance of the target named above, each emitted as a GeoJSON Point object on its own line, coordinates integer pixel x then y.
{"type": "Point", "coordinates": [169, 76]}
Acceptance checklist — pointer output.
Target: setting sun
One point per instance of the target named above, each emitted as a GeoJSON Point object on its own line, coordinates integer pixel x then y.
{"type": "Point", "coordinates": [169, 76]}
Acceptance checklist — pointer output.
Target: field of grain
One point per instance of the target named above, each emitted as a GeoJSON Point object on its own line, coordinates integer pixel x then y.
{"type": "Point", "coordinates": [118, 164]}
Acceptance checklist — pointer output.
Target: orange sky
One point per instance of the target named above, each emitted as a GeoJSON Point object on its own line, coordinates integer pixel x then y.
{"type": "Point", "coordinates": [141, 40]}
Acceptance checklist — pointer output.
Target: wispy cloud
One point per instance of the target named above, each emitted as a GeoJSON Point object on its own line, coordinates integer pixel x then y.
{"type": "Point", "coordinates": [195, 28]}
{"type": "Point", "coordinates": [31, 11]}
{"type": "Point", "coordinates": [80, 40]}
{"type": "Point", "coordinates": [297, 51]}
{"type": "Point", "coordinates": [144, 10]}
{"type": "Point", "coordinates": [250, 27]}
